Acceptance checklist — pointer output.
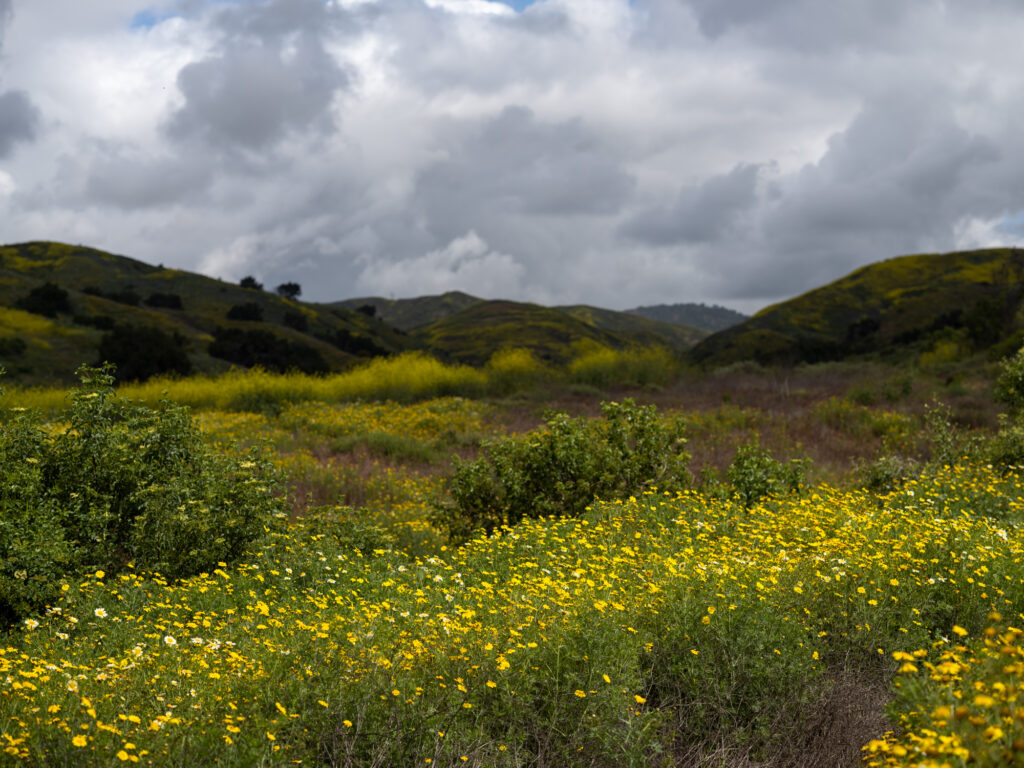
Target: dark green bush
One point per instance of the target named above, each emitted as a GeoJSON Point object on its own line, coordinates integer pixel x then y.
{"type": "Point", "coordinates": [140, 352]}
{"type": "Point", "coordinates": [562, 467]}
{"type": "Point", "coordinates": [1010, 385]}
{"type": "Point", "coordinates": [47, 299]}
{"type": "Point", "coordinates": [120, 483]}
{"type": "Point", "coordinates": [250, 311]}
{"type": "Point", "coordinates": [164, 301]}
{"type": "Point", "coordinates": [263, 348]}
{"type": "Point", "coordinates": [754, 474]}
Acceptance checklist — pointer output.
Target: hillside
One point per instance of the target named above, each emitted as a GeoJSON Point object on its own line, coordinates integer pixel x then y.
{"type": "Point", "coordinates": [60, 304]}
{"type": "Point", "coordinates": [931, 307]}
{"type": "Point", "coordinates": [474, 334]}
{"type": "Point", "coordinates": [643, 329]}
{"type": "Point", "coordinates": [709, 318]}
{"type": "Point", "coordinates": [407, 314]}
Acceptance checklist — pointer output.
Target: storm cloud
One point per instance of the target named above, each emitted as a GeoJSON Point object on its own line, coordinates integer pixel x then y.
{"type": "Point", "coordinates": [600, 151]}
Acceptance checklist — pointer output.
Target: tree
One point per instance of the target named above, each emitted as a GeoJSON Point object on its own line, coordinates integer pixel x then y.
{"type": "Point", "coordinates": [47, 299]}
{"type": "Point", "coordinates": [251, 283]}
{"type": "Point", "coordinates": [289, 290]}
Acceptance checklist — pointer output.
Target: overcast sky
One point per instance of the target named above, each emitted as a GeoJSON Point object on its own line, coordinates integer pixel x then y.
{"type": "Point", "coordinates": [606, 152]}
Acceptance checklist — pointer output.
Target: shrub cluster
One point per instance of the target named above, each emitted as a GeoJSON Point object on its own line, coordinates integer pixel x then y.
{"type": "Point", "coordinates": [561, 468]}
{"type": "Point", "coordinates": [120, 483]}
{"type": "Point", "coordinates": [755, 475]}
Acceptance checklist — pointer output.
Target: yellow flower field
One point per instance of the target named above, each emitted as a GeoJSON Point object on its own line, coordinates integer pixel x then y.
{"type": "Point", "coordinates": [622, 637]}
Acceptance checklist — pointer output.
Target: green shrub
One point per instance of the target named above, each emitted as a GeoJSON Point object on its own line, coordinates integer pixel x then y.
{"type": "Point", "coordinates": [120, 483]}
{"type": "Point", "coordinates": [754, 474]}
{"type": "Point", "coordinates": [561, 468]}
{"type": "Point", "coordinates": [887, 473]}
{"type": "Point", "coordinates": [140, 352]}
{"type": "Point", "coordinates": [1010, 385]}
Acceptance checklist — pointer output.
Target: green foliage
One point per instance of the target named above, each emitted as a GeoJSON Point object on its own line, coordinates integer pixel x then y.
{"type": "Point", "coordinates": [561, 468]}
{"type": "Point", "coordinates": [754, 474]}
{"type": "Point", "coordinates": [888, 473]}
{"type": "Point", "coordinates": [258, 347]}
{"type": "Point", "coordinates": [47, 299]}
{"type": "Point", "coordinates": [603, 367]}
{"type": "Point", "coordinates": [250, 311]}
{"type": "Point", "coordinates": [140, 352]}
{"type": "Point", "coordinates": [515, 370]}
{"type": "Point", "coordinates": [289, 290]}
{"type": "Point", "coordinates": [164, 301]}
{"type": "Point", "coordinates": [121, 483]}
{"type": "Point", "coordinates": [1010, 385]}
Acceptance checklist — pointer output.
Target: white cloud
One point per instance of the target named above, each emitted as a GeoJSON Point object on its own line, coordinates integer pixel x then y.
{"type": "Point", "coordinates": [465, 264]}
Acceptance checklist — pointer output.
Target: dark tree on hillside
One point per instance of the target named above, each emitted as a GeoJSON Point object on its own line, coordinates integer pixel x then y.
{"type": "Point", "coordinates": [140, 352]}
{"type": "Point", "coordinates": [289, 290]}
{"type": "Point", "coordinates": [47, 299]}
{"type": "Point", "coordinates": [368, 309]}
{"type": "Point", "coordinates": [251, 282]}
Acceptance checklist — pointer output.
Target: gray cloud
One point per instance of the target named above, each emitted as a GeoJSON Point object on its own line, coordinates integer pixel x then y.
{"type": "Point", "coordinates": [701, 213]}
{"type": "Point", "coordinates": [19, 120]}
{"type": "Point", "coordinates": [514, 164]}
{"type": "Point", "coordinates": [130, 182]}
{"type": "Point", "coordinates": [270, 76]}
{"type": "Point", "coordinates": [608, 151]}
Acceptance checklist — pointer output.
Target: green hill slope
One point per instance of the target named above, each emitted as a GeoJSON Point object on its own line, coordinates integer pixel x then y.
{"type": "Point", "coordinates": [707, 318]}
{"type": "Point", "coordinates": [946, 306]}
{"type": "Point", "coordinates": [644, 330]}
{"type": "Point", "coordinates": [474, 334]}
{"type": "Point", "coordinates": [408, 314]}
{"type": "Point", "coordinates": [105, 292]}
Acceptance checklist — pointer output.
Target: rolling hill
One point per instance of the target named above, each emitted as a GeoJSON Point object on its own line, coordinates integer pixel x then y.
{"type": "Point", "coordinates": [474, 334]}
{"type": "Point", "coordinates": [408, 314]}
{"type": "Point", "coordinates": [60, 305]}
{"type": "Point", "coordinates": [932, 307]}
{"type": "Point", "coordinates": [708, 318]}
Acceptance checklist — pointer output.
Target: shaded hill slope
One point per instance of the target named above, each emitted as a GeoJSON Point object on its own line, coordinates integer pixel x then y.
{"type": "Point", "coordinates": [59, 304]}
{"type": "Point", "coordinates": [408, 314]}
{"type": "Point", "coordinates": [708, 318]}
{"type": "Point", "coordinates": [945, 305]}
{"type": "Point", "coordinates": [644, 330]}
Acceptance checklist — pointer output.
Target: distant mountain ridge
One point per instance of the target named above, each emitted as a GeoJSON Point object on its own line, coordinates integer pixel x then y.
{"type": "Point", "coordinates": [709, 318]}
{"type": "Point", "coordinates": [933, 307]}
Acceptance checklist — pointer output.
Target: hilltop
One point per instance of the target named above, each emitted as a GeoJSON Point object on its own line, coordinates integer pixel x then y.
{"type": "Point", "coordinates": [932, 308]}
{"type": "Point", "coordinates": [63, 305]}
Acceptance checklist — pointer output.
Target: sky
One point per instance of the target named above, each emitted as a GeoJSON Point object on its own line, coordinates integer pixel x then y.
{"type": "Point", "coordinates": [610, 152]}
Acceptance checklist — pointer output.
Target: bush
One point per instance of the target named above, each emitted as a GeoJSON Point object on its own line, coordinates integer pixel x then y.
{"type": "Point", "coordinates": [164, 301]}
{"type": "Point", "coordinates": [250, 311]}
{"type": "Point", "coordinates": [296, 321]}
{"type": "Point", "coordinates": [47, 299]}
{"type": "Point", "coordinates": [561, 468]}
{"type": "Point", "coordinates": [756, 475]}
{"type": "Point", "coordinates": [121, 483]}
{"type": "Point", "coordinates": [140, 352]}
{"type": "Point", "coordinates": [515, 370]}
{"type": "Point", "coordinates": [263, 348]}
{"type": "Point", "coordinates": [887, 474]}
{"type": "Point", "coordinates": [1010, 385]}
